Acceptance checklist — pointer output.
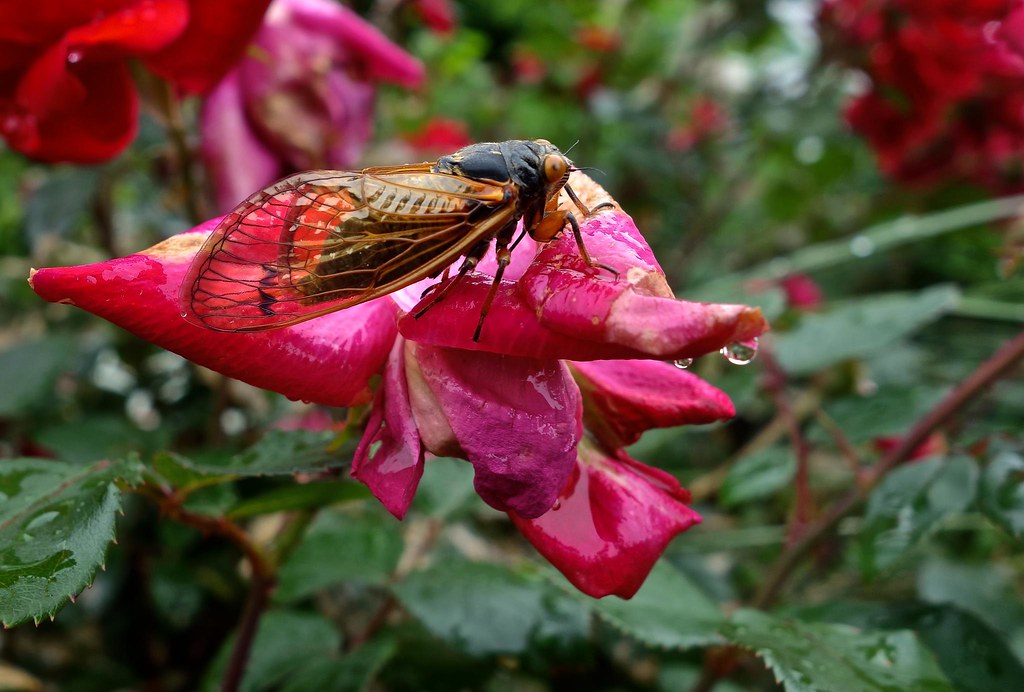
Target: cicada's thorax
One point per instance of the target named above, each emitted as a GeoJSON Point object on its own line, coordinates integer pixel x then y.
{"type": "Point", "coordinates": [517, 164]}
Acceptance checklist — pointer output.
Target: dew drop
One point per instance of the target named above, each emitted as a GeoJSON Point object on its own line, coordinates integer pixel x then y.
{"type": "Point", "coordinates": [184, 314]}
{"type": "Point", "coordinates": [557, 506]}
{"type": "Point", "coordinates": [74, 56]}
{"type": "Point", "coordinates": [683, 363]}
{"type": "Point", "coordinates": [41, 520]}
{"type": "Point", "coordinates": [741, 352]}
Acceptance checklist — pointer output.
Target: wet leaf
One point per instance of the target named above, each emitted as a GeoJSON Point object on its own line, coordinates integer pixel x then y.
{"type": "Point", "coordinates": [668, 611]}
{"type": "Point", "coordinates": [56, 520]}
{"type": "Point", "coordinates": [817, 656]}
{"type": "Point", "coordinates": [484, 609]}
{"type": "Point", "coordinates": [339, 548]}
{"type": "Point", "coordinates": [911, 502]}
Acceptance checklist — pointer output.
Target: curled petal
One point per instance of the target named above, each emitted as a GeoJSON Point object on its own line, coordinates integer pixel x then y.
{"type": "Point", "coordinates": [327, 361]}
{"type": "Point", "coordinates": [610, 524]}
{"type": "Point", "coordinates": [389, 459]}
{"type": "Point", "coordinates": [623, 398]}
{"type": "Point", "coordinates": [518, 421]}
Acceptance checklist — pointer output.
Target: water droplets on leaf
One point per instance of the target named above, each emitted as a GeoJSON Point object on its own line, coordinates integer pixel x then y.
{"type": "Point", "coordinates": [683, 363]}
{"type": "Point", "coordinates": [741, 352]}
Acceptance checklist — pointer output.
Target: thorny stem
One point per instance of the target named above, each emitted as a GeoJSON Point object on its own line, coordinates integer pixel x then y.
{"type": "Point", "coordinates": [718, 662]}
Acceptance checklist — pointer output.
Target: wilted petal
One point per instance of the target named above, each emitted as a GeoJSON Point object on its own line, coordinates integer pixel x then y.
{"type": "Point", "coordinates": [327, 361]}
{"type": "Point", "coordinates": [611, 523]}
{"type": "Point", "coordinates": [235, 157]}
{"type": "Point", "coordinates": [518, 420]}
{"type": "Point", "coordinates": [624, 398]}
{"type": "Point", "coordinates": [389, 459]}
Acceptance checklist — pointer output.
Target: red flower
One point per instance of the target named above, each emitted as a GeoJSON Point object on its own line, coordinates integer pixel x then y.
{"type": "Point", "coordinates": [439, 15]}
{"type": "Point", "coordinates": [439, 136]}
{"type": "Point", "coordinates": [303, 98]}
{"type": "Point", "coordinates": [706, 119]}
{"type": "Point", "coordinates": [802, 292]}
{"type": "Point", "coordinates": [66, 93]}
{"type": "Point", "coordinates": [510, 404]}
{"type": "Point", "coordinates": [947, 78]}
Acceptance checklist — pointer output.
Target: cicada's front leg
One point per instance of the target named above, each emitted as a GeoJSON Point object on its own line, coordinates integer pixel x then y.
{"type": "Point", "coordinates": [554, 221]}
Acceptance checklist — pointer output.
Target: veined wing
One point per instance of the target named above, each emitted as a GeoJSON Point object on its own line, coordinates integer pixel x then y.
{"type": "Point", "coordinates": [321, 241]}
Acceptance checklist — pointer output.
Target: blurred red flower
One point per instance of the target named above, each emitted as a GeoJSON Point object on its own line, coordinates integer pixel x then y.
{"type": "Point", "coordinates": [66, 93]}
{"type": "Point", "coordinates": [439, 136]}
{"type": "Point", "coordinates": [302, 98]}
{"type": "Point", "coordinates": [706, 118]}
{"type": "Point", "coordinates": [946, 94]}
{"type": "Point", "coordinates": [565, 348]}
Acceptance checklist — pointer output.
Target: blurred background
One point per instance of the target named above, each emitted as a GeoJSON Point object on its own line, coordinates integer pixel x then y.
{"type": "Point", "coordinates": [852, 167]}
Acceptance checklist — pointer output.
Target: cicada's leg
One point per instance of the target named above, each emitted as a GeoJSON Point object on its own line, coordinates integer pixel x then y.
{"type": "Point", "coordinates": [473, 257]}
{"type": "Point", "coordinates": [553, 223]}
{"type": "Point", "coordinates": [503, 256]}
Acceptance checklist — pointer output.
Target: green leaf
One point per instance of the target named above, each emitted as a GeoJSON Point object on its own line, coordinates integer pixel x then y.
{"type": "Point", "coordinates": [1001, 497]}
{"type": "Point", "coordinates": [285, 641]}
{"type": "Point", "coordinates": [56, 520]}
{"type": "Point", "coordinates": [339, 548]}
{"type": "Point", "coordinates": [103, 436]}
{"type": "Point", "coordinates": [668, 611]}
{"type": "Point", "coordinates": [859, 328]}
{"type": "Point", "coordinates": [300, 496]}
{"type": "Point", "coordinates": [818, 656]}
{"type": "Point", "coordinates": [284, 452]}
{"type": "Point", "coordinates": [482, 608]}
{"type": "Point", "coordinates": [889, 411]}
{"type": "Point", "coordinates": [30, 369]}
{"type": "Point", "coordinates": [350, 673]}
{"type": "Point", "coordinates": [758, 475]}
{"type": "Point", "coordinates": [909, 503]}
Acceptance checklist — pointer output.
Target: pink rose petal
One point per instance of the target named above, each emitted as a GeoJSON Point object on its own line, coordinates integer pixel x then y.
{"type": "Point", "coordinates": [517, 419]}
{"type": "Point", "coordinates": [327, 361]}
{"type": "Point", "coordinates": [389, 459]}
{"type": "Point", "coordinates": [624, 398]}
{"type": "Point", "coordinates": [611, 523]}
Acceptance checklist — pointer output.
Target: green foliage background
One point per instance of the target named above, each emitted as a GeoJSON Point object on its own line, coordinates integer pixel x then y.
{"type": "Point", "coordinates": [919, 590]}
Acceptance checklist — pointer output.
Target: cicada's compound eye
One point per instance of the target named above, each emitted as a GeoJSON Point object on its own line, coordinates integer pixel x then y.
{"type": "Point", "coordinates": [555, 168]}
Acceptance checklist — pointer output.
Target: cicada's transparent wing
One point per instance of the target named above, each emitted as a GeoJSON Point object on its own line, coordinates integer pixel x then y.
{"type": "Point", "coordinates": [321, 241]}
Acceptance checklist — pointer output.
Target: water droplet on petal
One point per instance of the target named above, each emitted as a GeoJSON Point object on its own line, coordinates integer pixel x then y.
{"type": "Point", "coordinates": [683, 363]}
{"type": "Point", "coordinates": [741, 352]}
{"type": "Point", "coordinates": [74, 56]}
{"type": "Point", "coordinates": [184, 314]}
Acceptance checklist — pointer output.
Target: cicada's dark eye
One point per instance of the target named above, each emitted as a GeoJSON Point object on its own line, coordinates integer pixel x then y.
{"type": "Point", "coordinates": [555, 168]}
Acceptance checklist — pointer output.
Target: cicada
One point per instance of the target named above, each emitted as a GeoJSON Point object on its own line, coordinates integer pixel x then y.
{"type": "Point", "coordinates": [321, 241]}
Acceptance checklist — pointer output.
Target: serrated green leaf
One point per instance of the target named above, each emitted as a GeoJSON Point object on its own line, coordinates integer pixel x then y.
{"type": "Point", "coordinates": [284, 452]}
{"type": "Point", "coordinates": [758, 475]}
{"type": "Point", "coordinates": [482, 608]}
{"type": "Point", "coordinates": [56, 520]}
{"type": "Point", "coordinates": [351, 673]}
{"type": "Point", "coordinates": [285, 641]}
{"type": "Point", "coordinates": [300, 496]}
{"type": "Point", "coordinates": [815, 656]}
{"type": "Point", "coordinates": [859, 328]}
{"type": "Point", "coordinates": [909, 503]}
{"type": "Point", "coordinates": [668, 611]}
{"type": "Point", "coordinates": [1001, 495]}
{"type": "Point", "coordinates": [339, 548]}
